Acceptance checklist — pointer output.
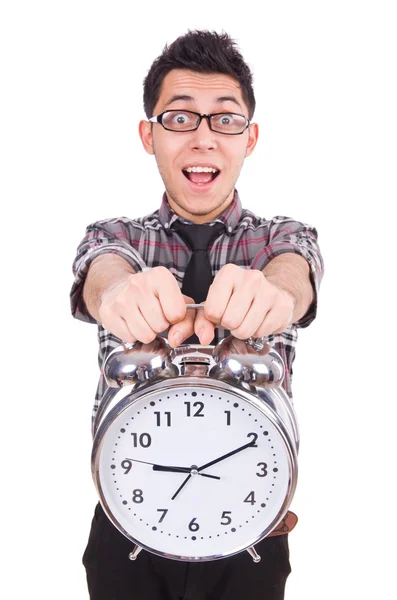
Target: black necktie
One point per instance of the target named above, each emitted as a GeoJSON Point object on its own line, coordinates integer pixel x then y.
{"type": "Point", "coordinates": [198, 275]}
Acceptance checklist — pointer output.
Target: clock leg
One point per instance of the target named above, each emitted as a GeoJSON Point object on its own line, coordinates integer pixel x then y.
{"type": "Point", "coordinates": [132, 555]}
{"type": "Point", "coordinates": [252, 552]}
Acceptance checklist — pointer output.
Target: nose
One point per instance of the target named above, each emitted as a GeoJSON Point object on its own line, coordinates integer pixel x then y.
{"type": "Point", "coordinates": [203, 138]}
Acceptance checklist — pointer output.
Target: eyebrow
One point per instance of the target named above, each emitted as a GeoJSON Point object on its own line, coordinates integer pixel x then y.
{"type": "Point", "coordinates": [219, 100]}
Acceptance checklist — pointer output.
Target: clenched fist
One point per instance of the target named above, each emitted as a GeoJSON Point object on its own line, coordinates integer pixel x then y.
{"type": "Point", "coordinates": [245, 302]}
{"type": "Point", "coordinates": [145, 304]}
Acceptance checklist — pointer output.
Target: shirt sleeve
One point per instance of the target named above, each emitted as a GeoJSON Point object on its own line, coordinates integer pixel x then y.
{"type": "Point", "coordinates": [287, 235]}
{"type": "Point", "coordinates": [103, 237]}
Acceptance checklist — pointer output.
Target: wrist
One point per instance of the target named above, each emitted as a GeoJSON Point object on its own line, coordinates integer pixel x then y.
{"type": "Point", "coordinates": [111, 288]}
{"type": "Point", "coordinates": [105, 273]}
{"type": "Point", "coordinates": [282, 286]}
{"type": "Point", "coordinates": [290, 272]}
{"type": "Point", "coordinates": [289, 294]}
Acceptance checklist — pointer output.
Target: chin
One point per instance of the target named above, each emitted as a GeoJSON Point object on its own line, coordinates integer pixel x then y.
{"type": "Point", "coordinates": [202, 206]}
{"type": "Point", "coordinates": [199, 204]}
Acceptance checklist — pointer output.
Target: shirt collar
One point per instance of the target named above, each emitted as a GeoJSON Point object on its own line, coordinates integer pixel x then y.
{"type": "Point", "coordinates": [230, 216]}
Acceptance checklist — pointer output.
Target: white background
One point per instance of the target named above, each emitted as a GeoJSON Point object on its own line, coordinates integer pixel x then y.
{"type": "Point", "coordinates": [71, 98]}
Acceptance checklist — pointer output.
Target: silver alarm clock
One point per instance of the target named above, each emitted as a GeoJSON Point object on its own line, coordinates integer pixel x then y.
{"type": "Point", "coordinates": [195, 448]}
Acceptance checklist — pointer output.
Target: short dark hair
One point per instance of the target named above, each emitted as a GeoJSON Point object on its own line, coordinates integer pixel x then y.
{"type": "Point", "coordinates": [203, 52]}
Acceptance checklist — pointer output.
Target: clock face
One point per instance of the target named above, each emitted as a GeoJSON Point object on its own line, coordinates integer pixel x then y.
{"type": "Point", "coordinates": [191, 471]}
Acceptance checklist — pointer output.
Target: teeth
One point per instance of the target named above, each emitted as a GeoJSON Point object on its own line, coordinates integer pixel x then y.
{"type": "Point", "coordinates": [201, 170]}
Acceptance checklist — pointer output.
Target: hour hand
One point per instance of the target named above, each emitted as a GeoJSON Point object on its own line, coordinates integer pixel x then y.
{"type": "Point", "coordinates": [163, 467]}
{"type": "Point", "coordinates": [171, 469]}
{"type": "Point", "coordinates": [190, 470]}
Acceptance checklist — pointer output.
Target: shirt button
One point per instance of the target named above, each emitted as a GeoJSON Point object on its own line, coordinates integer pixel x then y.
{"type": "Point", "coordinates": [166, 225]}
{"type": "Point", "coordinates": [230, 229]}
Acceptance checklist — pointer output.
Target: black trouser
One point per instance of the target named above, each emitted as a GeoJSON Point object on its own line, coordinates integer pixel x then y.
{"type": "Point", "coordinates": [111, 575]}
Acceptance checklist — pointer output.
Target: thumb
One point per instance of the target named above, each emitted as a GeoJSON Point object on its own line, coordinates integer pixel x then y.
{"type": "Point", "coordinates": [180, 331]}
{"type": "Point", "coordinates": [203, 328]}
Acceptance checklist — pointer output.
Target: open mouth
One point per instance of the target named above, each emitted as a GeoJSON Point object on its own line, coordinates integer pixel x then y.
{"type": "Point", "coordinates": [202, 176]}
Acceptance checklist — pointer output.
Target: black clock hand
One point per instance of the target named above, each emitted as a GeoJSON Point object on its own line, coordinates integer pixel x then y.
{"type": "Point", "coordinates": [195, 471]}
{"type": "Point", "coordinates": [162, 467]}
{"type": "Point", "coordinates": [213, 462]}
{"type": "Point", "coordinates": [181, 470]}
{"type": "Point", "coordinates": [249, 445]}
{"type": "Point", "coordinates": [171, 469]}
{"type": "Point", "coordinates": [180, 487]}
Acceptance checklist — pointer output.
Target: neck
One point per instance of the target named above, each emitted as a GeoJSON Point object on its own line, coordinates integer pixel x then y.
{"type": "Point", "coordinates": [199, 219]}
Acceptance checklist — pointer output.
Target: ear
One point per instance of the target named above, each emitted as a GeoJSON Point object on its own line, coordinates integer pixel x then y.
{"type": "Point", "coordinates": [253, 132]}
{"type": "Point", "coordinates": [145, 133]}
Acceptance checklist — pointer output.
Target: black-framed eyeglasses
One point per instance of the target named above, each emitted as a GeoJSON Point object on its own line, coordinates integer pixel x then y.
{"type": "Point", "coordinates": [187, 120]}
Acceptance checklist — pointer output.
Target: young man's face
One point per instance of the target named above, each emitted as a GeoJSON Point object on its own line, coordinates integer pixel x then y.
{"type": "Point", "coordinates": [199, 200]}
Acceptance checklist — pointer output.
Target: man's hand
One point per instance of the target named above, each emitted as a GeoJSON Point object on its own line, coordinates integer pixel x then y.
{"type": "Point", "coordinates": [145, 304]}
{"type": "Point", "coordinates": [244, 302]}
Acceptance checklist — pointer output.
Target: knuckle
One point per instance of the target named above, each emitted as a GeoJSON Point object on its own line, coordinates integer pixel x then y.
{"type": "Point", "coordinates": [230, 323]}
{"type": "Point", "coordinates": [177, 314]}
{"type": "Point", "coordinates": [159, 271]}
{"type": "Point", "coordinates": [257, 275]}
{"type": "Point", "coordinates": [118, 301]}
{"type": "Point", "coordinates": [257, 280]}
{"type": "Point", "coordinates": [136, 283]}
{"type": "Point", "coordinates": [159, 325]}
{"type": "Point", "coordinates": [131, 289]}
{"type": "Point", "coordinates": [230, 267]}
{"type": "Point", "coordinates": [242, 333]}
{"type": "Point", "coordinates": [268, 328]}
{"type": "Point", "coordinates": [212, 314]}
{"type": "Point", "coordinates": [237, 334]}
{"type": "Point", "coordinates": [261, 332]}
{"type": "Point", "coordinates": [229, 270]}
{"type": "Point", "coordinates": [153, 314]}
{"type": "Point", "coordinates": [262, 329]}
{"type": "Point", "coordinates": [146, 338]}
{"type": "Point", "coordinates": [133, 281]}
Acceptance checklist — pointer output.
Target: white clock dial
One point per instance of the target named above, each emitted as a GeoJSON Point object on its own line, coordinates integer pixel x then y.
{"type": "Point", "coordinates": [234, 478]}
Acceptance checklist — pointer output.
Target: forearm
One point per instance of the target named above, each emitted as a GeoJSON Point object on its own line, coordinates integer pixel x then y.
{"type": "Point", "coordinates": [291, 272]}
{"type": "Point", "coordinates": [106, 271]}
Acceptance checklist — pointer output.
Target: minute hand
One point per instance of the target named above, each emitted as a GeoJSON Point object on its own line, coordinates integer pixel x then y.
{"type": "Point", "coordinates": [249, 445]}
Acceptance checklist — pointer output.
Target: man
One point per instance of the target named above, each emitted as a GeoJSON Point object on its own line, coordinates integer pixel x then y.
{"type": "Point", "coordinates": [199, 102]}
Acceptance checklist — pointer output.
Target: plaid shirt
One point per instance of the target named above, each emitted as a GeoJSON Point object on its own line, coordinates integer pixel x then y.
{"type": "Point", "coordinates": [249, 242]}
